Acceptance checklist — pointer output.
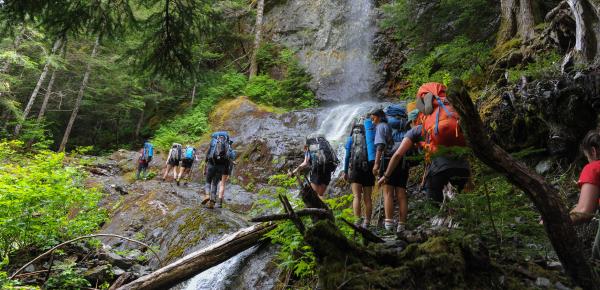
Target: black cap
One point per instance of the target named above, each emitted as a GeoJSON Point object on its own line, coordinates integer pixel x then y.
{"type": "Point", "coordinates": [378, 112]}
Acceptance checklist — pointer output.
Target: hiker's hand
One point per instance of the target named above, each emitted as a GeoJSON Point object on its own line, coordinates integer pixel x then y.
{"type": "Point", "coordinates": [375, 170]}
{"type": "Point", "coordinates": [381, 181]}
{"type": "Point", "coordinates": [345, 176]}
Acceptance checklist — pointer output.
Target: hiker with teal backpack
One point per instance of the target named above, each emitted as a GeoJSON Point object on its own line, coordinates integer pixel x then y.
{"type": "Point", "coordinates": [320, 157]}
{"type": "Point", "coordinates": [189, 156]}
{"type": "Point", "coordinates": [146, 154]}
{"type": "Point", "coordinates": [173, 160]}
{"type": "Point", "coordinates": [228, 171]}
{"type": "Point", "coordinates": [358, 170]}
{"type": "Point", "coordinates": [397, 179]}
{"type": "Point", "coordinates": [217, 160]}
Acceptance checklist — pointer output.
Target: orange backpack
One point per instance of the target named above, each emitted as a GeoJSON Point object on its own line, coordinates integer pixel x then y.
{"type": "Point", "coordinates": [439, 119]}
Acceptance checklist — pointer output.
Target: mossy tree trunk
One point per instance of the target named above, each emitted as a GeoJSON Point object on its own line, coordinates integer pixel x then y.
{"type": "Point", "coordinates": [587, 25]}
{"type": "Point", "coordinates": [260, 7]}
{"type": "Point", "coordinates": [517, 19]}
{"type": "Point", "coordinates": [544, 196]}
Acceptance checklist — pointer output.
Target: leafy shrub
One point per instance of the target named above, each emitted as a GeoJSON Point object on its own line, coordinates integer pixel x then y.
{"type": "Point", "coordinates": [67, 278]}
{"type": "Point", "coordinates": [460, 58]}
{"type": "Point", "coordinates": [43, 200]}
{"type": "Point", "coordinates": [545, 65]}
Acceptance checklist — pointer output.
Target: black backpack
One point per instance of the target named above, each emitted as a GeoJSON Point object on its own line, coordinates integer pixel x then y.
{"type": "Point", "coordinates": [175, 153]}
{"type": "Point", "coordinates": [322, 157]}
{"type": "Point", "coordinates": [220, 148]}
{"type": "Point", "coordinates": [359, 159]}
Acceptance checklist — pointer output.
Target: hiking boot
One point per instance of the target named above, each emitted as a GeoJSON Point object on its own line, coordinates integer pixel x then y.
{"type": "Point", "coordinates": [177, 182]}
{"type": "Point", "coordinates": [366, 224]}
{"type": "Point", "coordinates": [401, 228]}
{"type": "Point", "coordinates": [211, 205]}
{"type": "Point", "coordinates": [205, 200]}
{"type": "Point", "coordinates": [389, 225]}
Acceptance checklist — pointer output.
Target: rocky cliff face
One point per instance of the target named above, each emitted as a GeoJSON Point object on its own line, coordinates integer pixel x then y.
{"type": "Point", "coordinates": [334, 41]}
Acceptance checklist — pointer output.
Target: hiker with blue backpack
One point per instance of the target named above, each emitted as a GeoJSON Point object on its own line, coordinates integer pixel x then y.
{"type": "Point", "coordinates": [398, 177]}
{"type": "Point", "coordinates": [320, 157]}
{"type": "Point", "coordinates": [146, 154]}
{"type": "Point", "coordinates": [232, 154]}
{"type": "Point", "coordinates": [173, 160]}
{"type": "Point", "coordinates": [358, 169]}
{"type": "Point", "coordinates": [189, 156]}
{"type": "Point", "coordinates": [217, 160]}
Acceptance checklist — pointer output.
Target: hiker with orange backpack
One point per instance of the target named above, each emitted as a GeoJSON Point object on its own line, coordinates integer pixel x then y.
{"type": "Point", "coordinates": [438, 128]}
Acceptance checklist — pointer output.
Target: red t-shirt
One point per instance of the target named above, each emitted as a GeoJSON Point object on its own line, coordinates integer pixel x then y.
{"type": "Point", "coordinates": [590, 174]}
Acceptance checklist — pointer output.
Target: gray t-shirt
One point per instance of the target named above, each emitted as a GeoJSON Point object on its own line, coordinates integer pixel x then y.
{"type": "Point", "coordinates": [438, 163]}
{"type": "Point", "coordinates": [383, 137]}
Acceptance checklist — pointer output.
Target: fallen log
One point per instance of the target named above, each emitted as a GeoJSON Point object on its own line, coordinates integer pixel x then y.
{"type": "Point", "coordinates": [316, 212]}
{"type": "Point", "coordinates": [545, 197]}
{"type": "Point", "coordinates": [201, 260]}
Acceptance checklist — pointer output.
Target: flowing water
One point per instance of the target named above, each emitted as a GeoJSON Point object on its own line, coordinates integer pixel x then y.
{"type": "Point", "coordinates": [352, 83]}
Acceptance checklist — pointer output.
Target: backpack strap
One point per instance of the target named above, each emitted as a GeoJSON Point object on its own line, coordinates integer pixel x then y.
{"type": "Point", "coordinates": [437, 116]}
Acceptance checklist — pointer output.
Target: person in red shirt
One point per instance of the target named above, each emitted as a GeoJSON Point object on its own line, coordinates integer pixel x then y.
{"type": "Point", "coordinates": [589, 182]}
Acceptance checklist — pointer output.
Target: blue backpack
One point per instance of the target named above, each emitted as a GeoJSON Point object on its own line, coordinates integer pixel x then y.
{"type": "Point", "coordinates": [189, 152]}
{"type": "Point", "coordinates": [148, 151]}
{"type": "Point", "coordinates": [397, 118]}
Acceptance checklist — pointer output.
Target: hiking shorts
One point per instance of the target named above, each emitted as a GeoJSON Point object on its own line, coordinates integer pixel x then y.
{"type": "Point", "coordinates": [173, 162]}
{"type": "Point", "coordinates": [398, 178]}
{"type": "Point", "coordinates": [320, 178]}
{"type": "Point", "coordinates": [187, 163]}
{"type": "Point", "coordinates": [458, 177]}
{"type": "Point", "coordinates": [364, 178]}
{"type": "Point", "coordinates": [228, 169]}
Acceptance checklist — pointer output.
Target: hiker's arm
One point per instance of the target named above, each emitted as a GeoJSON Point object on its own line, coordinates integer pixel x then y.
{"type": "Point", "coordinates": [301, 166]}
{"type": "Point", "coordinates": [347, 156]}
{"type": "Point", "coordinates": [587, 204]}
{"type": "Point", "coordinates": [378, 155]}
{"type": "Point", "coordinates": [404, 147]}
{"type": "Point", "coordinates": [168, 155]}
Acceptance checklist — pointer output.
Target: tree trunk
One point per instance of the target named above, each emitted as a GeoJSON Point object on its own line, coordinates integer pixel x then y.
{"type": "Point", "coordinates": [193, 94]}
{"type": "Point", "coordinates": [201, 260]}
{"type": "Point", "coordinates": [42, 111]}
{"type": "Point", "coordinates": [587, 34]}
{"type": "Point", "coordinates": [86, 76]}
{"type": "Point", "coordinates": [37, 87]}
{"type": "Point", "coordinates": [545, 197]}
{"type": "Point", "coordinates": [526, 20]}
{"type": "Point", "coordinates": [260, 6]}
{"type": "Point", "coordinates": [508, 23]}
{"type": "Point", "coordinates": [138, 127]}
{"type": "Point", "coordinates": [16, 45]}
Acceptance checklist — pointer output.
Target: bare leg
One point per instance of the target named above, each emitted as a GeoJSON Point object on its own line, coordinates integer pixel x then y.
{"type": "Point", "coordinates": [175, 169]}
{"type": "Point", "coordinates": [368, 203]}
{"type": "Point", "coordinates": [357, 190]}
{"type": "Point", "coordinates": [388, 201]}
{"type": "Point", "coordinates": [402, 204]}
{"type": "Point", "coordinates": [224, 180]}
{"type": "Point", "coordinates": [169, 166]}
{"type": "Point", "coordinates": [319, 189]}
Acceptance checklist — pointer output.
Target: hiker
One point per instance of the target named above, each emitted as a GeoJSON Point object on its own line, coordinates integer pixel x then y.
{"type": "Point", "coordinates": [358, 170]}
{"type": "Point", "coordinates": [437, 127]}
{"type": "Point", "coordinates": [397, 177]}
{"type": "Point", "coordinates": [146, 154]}
{"type": "Point", "coordinates": [189, 157]}
{"type": "Point", "coordinates": [173, 160]}
{"type": "Point", "coordinates": [589, 182]}
{"type": "Point", "coordinates": [322, 160]}
{"type": "Point", "coordinates": [228, 171]}
{"type": "Point", "coordinates": [217, 160]}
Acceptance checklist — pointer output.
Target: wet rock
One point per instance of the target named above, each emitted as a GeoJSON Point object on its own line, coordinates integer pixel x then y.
{"type": "Point", "coordinates": [555, 265]}
{"type": "Point", "coordinates": [139, 270]}
{"type": "Point", "coordinates": [543, 282]}
{"type": "Point", "coordinates": [134, 254]}
{"type": "Point", "coordinates": [99, 273]}
{"type": "Point", "coordinates": [560, 286]}
{"type": "Point", "coordinates": [118, 260]}
{"type": "Point", "coordinates": [156, 233]}
{"type": "Point", "coordinates": [118, 271]}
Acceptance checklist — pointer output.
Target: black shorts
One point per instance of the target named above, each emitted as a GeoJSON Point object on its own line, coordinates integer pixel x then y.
{"type": "Point", "coordinates": [364, 178]}
{"type": "Point", "coordinates": [458, 177]}
{"type": "Point", "coordinates": [187, 163]}
{"type": "Point", "coordinates": [398, 178]}
{"type": "Point", "coordinates": [320, 178]}
{"type": "Point", "coordinates": [173, 162]}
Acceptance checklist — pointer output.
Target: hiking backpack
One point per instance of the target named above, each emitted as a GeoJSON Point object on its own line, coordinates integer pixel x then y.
{"type": "Point", "coordinates": [439, 120]}
{"type": "Point", "coordinates": [359, 158]}
{"type": "Point", "coordinates": [397, 118]}
{"type": "Point", "coordinates": [322, 157]}
{"type": "Point", "coordinates": [175, 153]}
{"type": "Point", "coordinates": [189, 152]}
{"type": "Point", "coordinates": [148, 151]}
{"type": "Point", "coordinates": [219, 151]}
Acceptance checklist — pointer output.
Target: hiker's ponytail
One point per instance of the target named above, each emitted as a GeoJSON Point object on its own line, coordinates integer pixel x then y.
{"type": "Point", "coordinates": [591, 140]}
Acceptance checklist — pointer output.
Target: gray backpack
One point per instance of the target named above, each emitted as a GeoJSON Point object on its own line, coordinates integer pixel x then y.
{"type": "Point", "coordinates": [359, 159]}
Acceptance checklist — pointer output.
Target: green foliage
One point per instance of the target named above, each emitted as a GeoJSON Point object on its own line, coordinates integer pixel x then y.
{"type": "Point", "coordinates": [282, 180]}
{"type": "Point", "coordinates": [43, 200]}
{"type": "Point", "coordinates": [460, 58]}
{"type": "Point", "coordinates": [68, 277]}
{"type": "Point", "coordinates": [544, 65]}
{"type": "Point", "coordinates": [424, 24]}
{"type": "Point", "coordinates": [8, 284]}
